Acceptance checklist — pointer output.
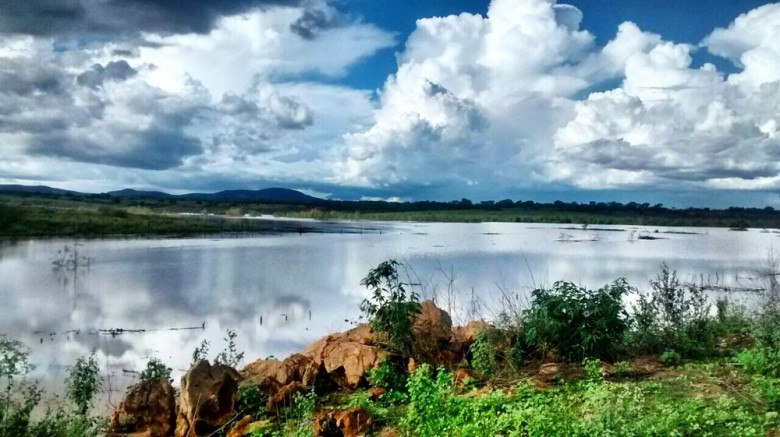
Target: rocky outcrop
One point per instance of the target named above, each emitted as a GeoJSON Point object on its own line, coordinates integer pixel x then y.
{"type": "Point", "coordinates": [284, 397]}
{"type": "Point", "coordinates": [468, 334]}
{"type": "Point", "coordinates": [207, 399]}
{"type": "Point", "coordinates": [345, 358]}
{"type": "Point", "coordinates": [246, 427]}
{"type": "Point", "coordinates": [432, 327]}
{"type": "Point", "coordinates": [353, 422]}
{"type": "Point", "coordinates": [148, 409]}
{"type": "Point", "coordinates": [274, 374]}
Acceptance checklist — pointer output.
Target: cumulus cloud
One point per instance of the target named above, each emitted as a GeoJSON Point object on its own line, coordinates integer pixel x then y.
{"type": "Point", "coordinates": [527, 68]}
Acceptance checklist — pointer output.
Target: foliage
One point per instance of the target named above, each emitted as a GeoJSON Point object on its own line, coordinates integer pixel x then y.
{"type": "Point", "coordinates": [483, 353]}
{"type": "Point", "coordinates": [230, 355]}
{"type": "Point", "coordinates": [592, 369]}
{"type": "Point", "coordinates": [303, 405]}
{"type": "Point", "coordinates": [201, 352]}
{"type": "Point", "coordinates": [155, 369]}
{"type": "Point", "coordinates": [390, 309]}
{"type": "Point", "coordinates": [388, 375]}
{"type": "Point", "coordinates": [673, 316]}
{"type": "Point", "coordinates": [250, 399]}
{"type": "Point", "coordinates": [578, 322]}
{"type": "Point", "coordinates": [430, 402]}
{"type": "Point", "coordinates": [761, 360]}
{"type": "Point", "coordinates": [670, 358]}
{"type": "Point", "coordinates": [622, 368]}
{"type": "Point", "coordinates": [83, 383]}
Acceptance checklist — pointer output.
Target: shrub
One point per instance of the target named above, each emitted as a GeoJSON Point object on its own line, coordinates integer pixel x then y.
{"type": "Point", "coordinates": [671, 358]}
{"type": "Point", "coordinates": [390, 309]}
{"type": "Point", "coordinates": [250, 399]}
{"type": "Point", "coordinates": [622, 368]}
{"type": "Point", "coordinates": [83, 383]}
{"type": "Point", "coordinates": [578, 322]}
{"type": "Point", "coordinates": [230, 355]}
{"type": "Point", "coordinates": [431, 403]}
{"type": "Point", "coordinates": [155, 369]}
{"type": "Point", "coordinates": [388, 375]}
{"type": "Point", "coordinates": [592, 369]}
{"type": "Point", "coordinates": [483, 353]}
{"type": "Point", "coordinates": [672, 316]}
{"type": "Point", "coordinates": [761, 361]}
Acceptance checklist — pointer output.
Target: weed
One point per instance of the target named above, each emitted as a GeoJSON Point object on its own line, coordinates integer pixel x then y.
{"type": "Point", "coordinates": [230, 355]}
{"type": "Point", "coordinates": [83, 383]}
{"type": "Point", "coordinates": [155, 369]}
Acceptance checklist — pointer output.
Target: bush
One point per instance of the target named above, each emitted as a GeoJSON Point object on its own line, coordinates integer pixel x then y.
{"type": "Point", "coordinates": [673, 316]}
{"type": "Point", "coordinates": [578, 322]}
{"type": "Point", "coordinates": [761, 361]}
{"type": "Point", "coordinates": [388, 375]}
{"type": "Point", "coordinates": [671, 358]}
{"type": "Point", "coordinates": [250, 399]}
{"type": "Point", "coordinates": [83, 383]}
{"type": "Point", "coordinates": [431, 402]}
{"type": "Point", "coordinates": [390, 309]}
{"type": "Point", "coordinates": [483, 353]}
{"type": "Point", "coordinates": [155, 369]}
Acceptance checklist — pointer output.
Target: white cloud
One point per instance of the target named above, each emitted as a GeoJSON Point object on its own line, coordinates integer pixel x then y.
{"type": "Point", "coordinates": [520, 71]}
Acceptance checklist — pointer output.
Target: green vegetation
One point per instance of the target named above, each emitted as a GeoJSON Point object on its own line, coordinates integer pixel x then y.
{"type": "Point", "coordinates": [97, 215]}
{"type": "Point", "coordinates": [155, 369]}
{"type": "Point", "coordinates": [20, 396]}
{"type": "Point", "coordinates": [390, 309]}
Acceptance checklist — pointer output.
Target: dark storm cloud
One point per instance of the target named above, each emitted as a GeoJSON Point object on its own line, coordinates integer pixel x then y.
{"type": "Point", "coordinates": [313, 21]}
{"type": "Point", "coordinates": [115, 70]}
{"type": "Point", "coordinates": [154, 149]}
{"type": "Point", "coordinates": [126, 17]}
{"type": "Point", "coordinates": [22, 78]}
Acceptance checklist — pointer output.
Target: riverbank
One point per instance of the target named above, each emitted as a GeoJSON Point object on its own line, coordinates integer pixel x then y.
{"type": "Point", "coordinates": [37, 215]}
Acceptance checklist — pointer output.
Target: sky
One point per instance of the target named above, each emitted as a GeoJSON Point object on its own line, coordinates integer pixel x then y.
{"type": "Point", "coordinates": [669, 101]}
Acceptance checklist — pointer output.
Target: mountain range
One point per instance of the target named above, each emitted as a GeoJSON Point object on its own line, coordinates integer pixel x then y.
{"type": "Point", "coordinates": [266, 194]}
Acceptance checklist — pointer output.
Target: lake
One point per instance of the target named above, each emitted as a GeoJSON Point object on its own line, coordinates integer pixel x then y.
{"type": "Point", "coordinates": [131, 299]}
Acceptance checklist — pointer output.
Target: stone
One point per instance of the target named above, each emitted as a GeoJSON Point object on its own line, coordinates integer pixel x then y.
{"type": "Point", "coordinates": [270, 375]}
{"type": "Point", "coordinates": [148, 408]}
{"type": "Point", "coordinates": [353, 422]}
{"type": "Point", "coordinates": [432, 326]}
{"type": "Point", "coordinates": [467, 334]}
{"type": "Point", "coordinates": [375, 393]}
{"type": "Point", "coordinates": [347, 357]}
{"type": "Point", "coordinates": [549, 371]}
{"type": "Point", "coordinates": [207, 399]}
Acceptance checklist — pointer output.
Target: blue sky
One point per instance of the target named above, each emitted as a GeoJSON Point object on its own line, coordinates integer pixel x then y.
{"type": "Point", "coordinates": [673, 102]}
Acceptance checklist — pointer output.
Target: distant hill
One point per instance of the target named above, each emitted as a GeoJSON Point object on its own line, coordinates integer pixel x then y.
{"type": "Point", "coordinates": [264, 195]}
{"type": "Point", "coordinates": [267, 195]}
{"type": "Point", "coordinates": [129, 192]}
{"type": "Point", "coordinates": [37, 189]}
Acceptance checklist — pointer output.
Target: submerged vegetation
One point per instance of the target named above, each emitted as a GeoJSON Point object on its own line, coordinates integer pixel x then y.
{"type": "Point", "coordinates": [573, 362]}
{"type": "Point", "coordinates": [42, 214]}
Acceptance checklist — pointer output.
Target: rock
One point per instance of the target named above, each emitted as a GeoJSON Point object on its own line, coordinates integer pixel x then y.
{"type": "Point", "coordinates": [549, 371]}
{"type": "Point", "coordinates": [466, 335]}
{"type": "Point", "coordinates": [347, 357]}
{"type": "Point", "coordinates": [270, 375]}
{"type": "Point", "coordinates": [432, 327]}
{"type": "Point", "coordinates": [148, 408]}
{"type": "Point", "coordinates": [607, 369]}
{"type": "Point", "coordinates": [284, 397]}
{"type": "Point", "coordinates": [411, 366]}
{"type": "Point", "coordinates": [207, 399]}
{"type": "Point", "coordinates": [247, 426]}
{"type": "Point", "coordinates": [353, 422]}
{"type": "Point", "coordinates": [375, 393]}
{"type": "Point", "coordinates": [461, 377]}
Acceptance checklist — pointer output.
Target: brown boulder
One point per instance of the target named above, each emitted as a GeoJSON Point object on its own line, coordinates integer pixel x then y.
{"type": "Point", "coordinates": [353, 422]}
{"type": "Point", "coordinates": [148, 409]}
{"type": "Point", "coordinates": [432, 326]}
{"type": "Point", "coordinates": [550, 371]}
{"type": "Point", "coordinates": [347, 357]}
{"type": "Point", "coordinates": [272, 374]}
{"type": "Point", "coordinates": [374, 393]}
{"type": "Point", "coordinates": [207, 399]}
{"type": "Point", "coordinates": [466, 335]}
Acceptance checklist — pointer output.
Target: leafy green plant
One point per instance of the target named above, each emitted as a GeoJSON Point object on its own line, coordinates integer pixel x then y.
{"type": "Point", "coordinates": [592, 369]}
{"type": "Point", "coordinates": [230, 355]}
{"type": "Point", "coordinates": [430, 402]}
{"type": "Point", "coordinates": [303, 405]}
{"type": "Point", "coordinates": [483, 353]}
{"type": "Point", "coordinates": [155, 369]}
{"type": "Point", "coordinates": [250, 399]}
{"type": "Point", "coordinates": [83, 383]}
{"type": "Point", "coordinates": [670, 358]}
{"type": "Point", "coordinates": [388, 375]}
{"type": "Point", "coordinates": [391, 309]}
{"type": "Point", "coordinates": [761, 361]}
{"type": "Point", "coordinates": [578, 322]}
{"type": "Point", "coordinates": [622, 368]}
{"type": "Point", "coordinates": [201, 352]}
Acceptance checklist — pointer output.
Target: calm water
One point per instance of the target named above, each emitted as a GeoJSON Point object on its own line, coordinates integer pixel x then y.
{"type": "Point", "coordinates": [280, 292]}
